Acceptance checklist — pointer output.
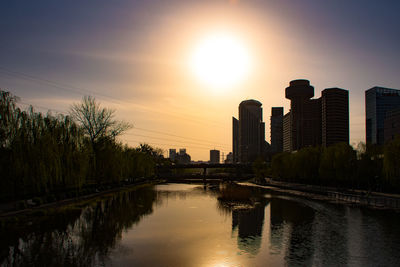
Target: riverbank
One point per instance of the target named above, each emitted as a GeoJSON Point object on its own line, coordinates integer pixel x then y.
{"type": "Point", "coordinates": [374, 200]}
{"type": "Point", "coordinates": [8, 209]}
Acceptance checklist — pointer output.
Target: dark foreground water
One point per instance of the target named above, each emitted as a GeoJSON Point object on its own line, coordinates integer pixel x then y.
{"type": "Point", "coordinates": [189, 225]}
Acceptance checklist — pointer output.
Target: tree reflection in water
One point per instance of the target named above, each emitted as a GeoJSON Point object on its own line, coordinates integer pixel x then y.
{"type": "Point", "coordinates": [76, 237]}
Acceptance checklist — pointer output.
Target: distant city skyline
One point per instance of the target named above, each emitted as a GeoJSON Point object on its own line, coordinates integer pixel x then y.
{"type": "Point", "coordinates": [134, 56]}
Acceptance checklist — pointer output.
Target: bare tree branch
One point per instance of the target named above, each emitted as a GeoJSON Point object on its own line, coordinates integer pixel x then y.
{"type": "Point", "coordinates": [97, 122]}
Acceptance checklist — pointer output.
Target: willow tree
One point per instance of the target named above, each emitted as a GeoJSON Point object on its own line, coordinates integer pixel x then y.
{"type": "Point", "coordinates": [8, 120]}
{"type": "Point", "coordinates": [391, 164]}
{"type": "Point", "coordinates": [99, 125]}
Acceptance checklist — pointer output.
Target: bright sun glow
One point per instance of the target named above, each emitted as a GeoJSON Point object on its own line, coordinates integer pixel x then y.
{"type": "Point", "coordinates": [220, 61]}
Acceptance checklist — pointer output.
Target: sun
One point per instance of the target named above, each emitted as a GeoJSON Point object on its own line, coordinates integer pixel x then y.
{"type": "Point", "coordinates": [220, 61]}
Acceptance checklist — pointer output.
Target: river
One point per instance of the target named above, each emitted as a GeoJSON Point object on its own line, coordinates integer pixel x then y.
{"type": "Point", "coordinates": [193, 225]}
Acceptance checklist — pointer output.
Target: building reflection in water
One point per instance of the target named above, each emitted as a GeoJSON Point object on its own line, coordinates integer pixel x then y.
{"type": "Point", "coordinates": [249, 222]}
{"type": "Point", "coordinates": [291, 225]}
{"type": "Point", "coordinates": [248, 212]}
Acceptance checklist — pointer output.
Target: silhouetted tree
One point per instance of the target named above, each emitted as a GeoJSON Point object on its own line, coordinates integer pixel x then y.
{"type": "Point", "coordinates": [8, 121]}
{"type": "Point", "coordinates": [282, 167]}
{"type": "Point", "coordinates": [97, 122]}
{"type": "Point", "coordinates": [156, 153]}
{"type": "Point", "coordinates": [337, 163]}
{"type": "Point", "coordinates": [334, 165]}
{"type": "Point", "coordinates": [306, 161]}
{"type": "Point", "coordinates": [369, 166]}
{"type": "Point", "coordinates": [39, 153]}
{"type": "Point", "coordinates": [42, 154]}
{"type": "Point", "coordinates": [101, 127]}
{"type": "Point", "coordinates": [260, 170]}
{"type": "Point", "coordinates": [391, 163]}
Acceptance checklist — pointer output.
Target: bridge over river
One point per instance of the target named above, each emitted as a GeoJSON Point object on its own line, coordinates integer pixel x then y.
{"type": "Point", "coordinates": [226, 171]}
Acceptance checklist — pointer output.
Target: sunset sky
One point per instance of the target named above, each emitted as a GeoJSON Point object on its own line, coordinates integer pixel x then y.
{"type": "Point", "coordinates": [137, 57]}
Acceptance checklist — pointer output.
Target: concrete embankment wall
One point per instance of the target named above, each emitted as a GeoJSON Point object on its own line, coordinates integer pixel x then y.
{"type": "Point", "coordinates": [357, 197]}
{"type": "Point", "coordinates": [375, 201]}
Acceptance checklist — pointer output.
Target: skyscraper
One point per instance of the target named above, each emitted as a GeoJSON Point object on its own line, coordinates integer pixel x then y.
{"type": "Point", "coordinates": [229, 158]}
{"type": "Point", "coordinates": [392, 124]}
{"type": "Point", "coordinates": [277, 129]}
{"type": "Point", "coordinates": [287, 132]}
{"type": "Point", "coordinates": [182, 157]}
{"type": "Point", "coordinates": [303, 125]}
{"type": "Point", "coordinates": [250, 139]}
{"type": "Point", "coordinates": [172, 153]}
{"type": "Point", "coordinates": [335, 116]}
{"type": "Point", "coordinates": [312, 122]}
{"type": "Point", "coordinates": [235, 139]}
{"type": "Point", "coordinates": [378, 101]}
{"type": "Point", "coordinates": [214, 156]}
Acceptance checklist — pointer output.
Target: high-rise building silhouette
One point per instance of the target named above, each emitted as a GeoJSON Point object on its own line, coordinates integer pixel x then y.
{"type": "Point", "coordinates": [303, 125]}
{"type": "Point", "coordinates": [214, 156]}
{"type": "Point", "coordinates": [335, 116]}
{"type": "Point", "coordinates": [182, 157]}
{"type": "Point", "coordinates": [378, 101]}
{"type": "Point", "coordinates": [229, 158]}
{"type": "Point", "coordinates": [235, 139]}
{"type": "Point", "coordinates": [276, 129]}
{"type": "Point", "coordinates": [172, 153]}
{"type": "Point", "coordinates": [287, 132]}
{"type": "Point", "coordinates": [248, 132]}
{"type": "Point", "coordinates": [313, 122]}
{"type": "Point", "coordinates": [249, 223]}
{"type": "Point", "coordinates": [392, 124]}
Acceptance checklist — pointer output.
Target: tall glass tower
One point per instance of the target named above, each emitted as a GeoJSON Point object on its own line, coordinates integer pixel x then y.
{"type": "Point", "coordinates": [248, 132]}
{"type": "Point", "coordinates": [378, 101]}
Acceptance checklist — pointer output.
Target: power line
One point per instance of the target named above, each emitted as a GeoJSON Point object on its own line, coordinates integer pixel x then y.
{"type": "Point", "coordinates": [204, 146]}
{"type": "Point", "coordinates": [78, 90]}
{"type": "Point", "coordinates": [52, 83]}
{"type": "Point", "coordinates": [184, 142]}
{"type": "Point", "coordinates": [174, 135]}
{"type": "Point", "coordinates": [168, 145]}
{"type": "Point", "coordinates": [41, 107]}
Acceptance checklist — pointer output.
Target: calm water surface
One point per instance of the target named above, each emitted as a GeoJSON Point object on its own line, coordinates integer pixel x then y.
{"type": "Point", "coordinates": [191, 225]}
